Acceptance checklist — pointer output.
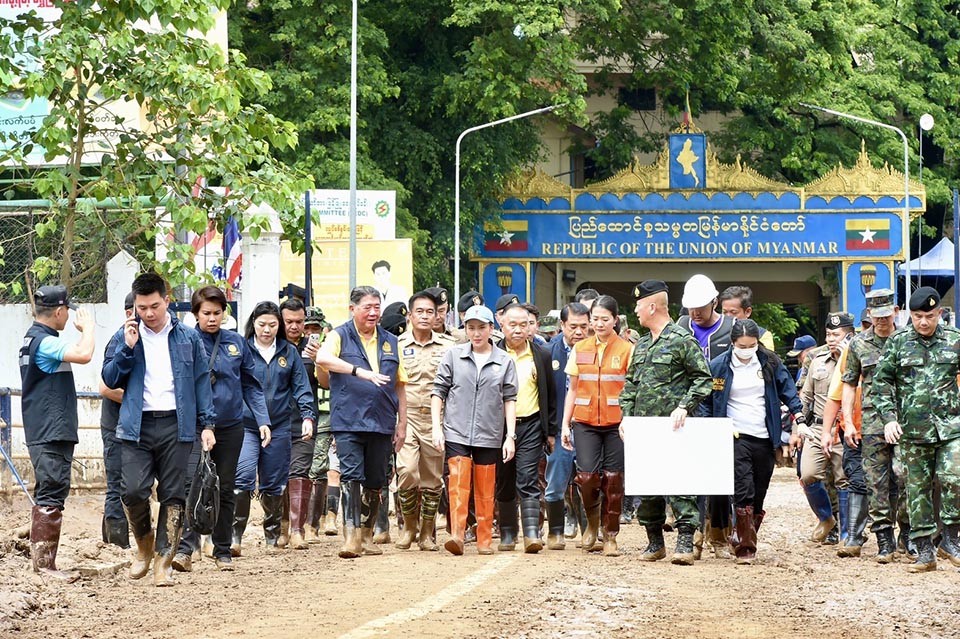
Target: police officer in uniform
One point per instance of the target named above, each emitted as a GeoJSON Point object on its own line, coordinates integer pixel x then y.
{"type": "Point", "coordinates": [468, 299]}
{"type": "Point", "coordinates": [668, 375]}
{"type": "Point", "coordinates": [50, 422]}
{"type": "Point", "coordinates": [419, 462]}
{"type": "Point", "coordinates": [916, 397]}
{"type": "Point", "coordinates": [440, 324]}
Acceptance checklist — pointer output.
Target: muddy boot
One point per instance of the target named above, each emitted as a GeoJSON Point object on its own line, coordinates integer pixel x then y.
{"type": "Point", "coordinates": [833, 537]}
{"type": "Point", "coordinates": [409, 503]}
{"type": "Point", "coordinates": [819, 500]}
{"type": "Point", "coordinates": [299, 491]}
{"type": "Point", "coordinates": [589, 484]}
{"type": "Point", "coordinates": [45, 525]}
{"type": "Point", "coordinates": [949, 548]}
{"type": "Point", "coordinates": [509, 526]}
{"type": "Point", "coordinates": [530, 517]}
{"type": "Point", "coordinates": [116, 532]}
{"type": "Point", "coordinates": [352, 545]}
{"type": "Point", "coordinates": [746, 550]}
{"type": "Point", "coordinates": [458, 486]}
{"type": "Point", "coordinates": [886, 546]}
{"type": "Point", "coordinates": [272, 521]}
{"type": "Point", "coordinates": [369, 512]}
{"type": "Point", "coordinates": [284, 539]}
{"type": "Point", "coordinates": [671, 521]}
{"type": "Point", "coordinates": [333, 504]}
{"type": "Point", "coordinates": [430, 500]}
{"type": "Point", "coordinates": [857, 510]}
{"type": "Point", "coordinates": [905, 545]}
{"type": "Point", "coordinates": [381, 526]}
{"type": "Point", "coordinates": [555, 526]}
{"type": "Point", "coordinates": [718, 539]}
{"type": "Point", "coordinates": [612, 486]}
{"type": "Point", "coordinates": [241, 514]}
{"type": "Point", "coordinates": [656, 549]}
{"type": "Point", "coordinates": [182, 562]}
{"type": "Point", "coordinates": [484, 489]}
{"type": "Point", "coordinates": [139, 517]}
{"type": "Point", "coordinates": [683, 553]}
{"type": "Point", "coordinates": [316, 510]}
{"type": "Point", "coordinates": [570, 523]}
{"type": "Point", "coordinates": [169, 529]}
{"type": "Point", "coordinates": [926, 557]}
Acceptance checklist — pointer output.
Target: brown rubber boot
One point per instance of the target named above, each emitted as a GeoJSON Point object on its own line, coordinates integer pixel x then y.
{"type": "Point", "coordinates": [612, 485]}
{"type": "Point", "coordinates": [299, 491]}
{"type": "Point", "coordinates": [284, 539]}
{"type": "Point", "coordinates": [316, 511]}
{"type": "Point", "coordinates": [484, 489]}
{"type": "Point", "coordinates": [169, 529]}
{"type": "Point", "coordinates": [590, 494]}
{"type": "Point", "coordinates": [409, 502]}
{"type": "Point", "coordinates": [45, 525]}
{"type": "Point", "coordinates": [458, 485]}
{"type": "Point", "coordinates": [430, 499]}
{"type": "Point", "coordinates": [746, 550]}
{"type": "Point", "coordinates": [139, 518]}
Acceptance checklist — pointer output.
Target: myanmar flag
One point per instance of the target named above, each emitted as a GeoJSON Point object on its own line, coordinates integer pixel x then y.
{"type": "Point", "coordinates": [868, 235]}
{"type": "Point", "coordinates": [508, 237]}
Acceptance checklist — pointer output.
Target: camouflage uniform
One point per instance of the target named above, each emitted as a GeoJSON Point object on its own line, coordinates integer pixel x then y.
{"type": "Point", "coordinates": [321, 445]}
{"type": "Point", "coordinates": [880, 461]}
{"type": "Point", "coordinates": [915, 384]}
{"type": "Point", "coordinates": [666, 374]}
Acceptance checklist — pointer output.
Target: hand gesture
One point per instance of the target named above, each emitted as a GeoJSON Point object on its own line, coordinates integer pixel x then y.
{"type": "Point", "coordinates": [375, 378]}
{"type": "Point", "coordinates": [565, 439]}
{"type": "Point", "coordinates": [83, 321]}
{"type": "Point", "coordinates": [679, 416]}
{"type": "Point", "coordinates": [892, 432]}
{"type": "Point", "coordinates": [131, 331]}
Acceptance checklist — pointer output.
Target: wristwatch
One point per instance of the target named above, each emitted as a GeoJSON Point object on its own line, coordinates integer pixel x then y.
{"type": "Point", "coordinates": [512, 436]}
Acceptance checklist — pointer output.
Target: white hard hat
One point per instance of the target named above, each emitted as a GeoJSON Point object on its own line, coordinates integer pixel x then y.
{"type": "Point", "coordinates": [698, 291]}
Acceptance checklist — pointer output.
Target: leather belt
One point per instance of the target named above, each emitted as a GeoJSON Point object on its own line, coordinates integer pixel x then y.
{"type": "Point", "coordinates": [159, 414]}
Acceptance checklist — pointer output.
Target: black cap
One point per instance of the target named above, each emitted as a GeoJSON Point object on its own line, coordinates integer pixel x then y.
{"type": "Point", "coordinates": [394, 323]}
{"type": "Point", "coordinates": [438, 294]}
{"type": "Point", "coordinates": [128, 301]}
{"type": "Point", "coordinates": [924, 298]}
{"type": "Point", "coordinates": [54, 296]}
{"type": "Point", "coordinates": [397, 308]}
{"type": "Point", "coordinates": [468, 299]}
{"type": "Point", "coordinates": [506, 300]}
{"type": "Point", "coordinates": [647, 288]}
{"type": "Point", "coordinates": [840, 320]}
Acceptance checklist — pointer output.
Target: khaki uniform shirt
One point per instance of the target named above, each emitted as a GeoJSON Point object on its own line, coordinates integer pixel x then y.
{"type": "Point", "coordinates": [421, 362]}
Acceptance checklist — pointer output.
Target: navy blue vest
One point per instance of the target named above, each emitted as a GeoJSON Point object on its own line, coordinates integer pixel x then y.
{"type": "Point", "coordinates": [357, 405]}
{"type": "Point", "coordinates": [49, 402]}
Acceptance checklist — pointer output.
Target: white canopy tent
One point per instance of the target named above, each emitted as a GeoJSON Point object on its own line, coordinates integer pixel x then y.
{"type": "Point", "coordinates": [938, 261]}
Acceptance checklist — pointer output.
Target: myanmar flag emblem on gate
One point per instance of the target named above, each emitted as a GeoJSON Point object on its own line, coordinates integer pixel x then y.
{"type": "Point", "coordinates": [510, 236]}
{"type": "Point", "coordinates": [868, 235]}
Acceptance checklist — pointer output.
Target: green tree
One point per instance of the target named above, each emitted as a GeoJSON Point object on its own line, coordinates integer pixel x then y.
{"type": "Point", "coordinates": [108, 184]}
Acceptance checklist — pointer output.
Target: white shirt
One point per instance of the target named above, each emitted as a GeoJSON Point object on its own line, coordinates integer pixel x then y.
{"type": "Point", "coordinates": [158, 389]}
{"type": "Point", "coordinates": [266, 352]}
{"type": "Point", "coordinates": [480, 359]}
{"type": "Point", "coordinates": [746, 406]}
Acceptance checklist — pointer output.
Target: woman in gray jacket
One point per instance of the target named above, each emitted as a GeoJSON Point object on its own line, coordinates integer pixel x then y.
{"type": "Point", "coordinates": [474, 397]}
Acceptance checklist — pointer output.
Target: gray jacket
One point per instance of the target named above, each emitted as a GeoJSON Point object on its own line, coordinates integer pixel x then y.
{"type": "Point", "coordinates": [473, 410]}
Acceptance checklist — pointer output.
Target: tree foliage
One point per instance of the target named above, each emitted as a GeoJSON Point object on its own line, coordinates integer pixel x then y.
{"type": "Point", "coordinates": [92, 63]}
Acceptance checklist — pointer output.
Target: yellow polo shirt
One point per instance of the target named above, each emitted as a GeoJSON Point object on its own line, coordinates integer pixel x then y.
{"type": "Point", "coordinates": [528, 396]}
{"type": "Point", "coordinates": [331, 346]}
{"type": "Point", "coordinates": [836, 385]}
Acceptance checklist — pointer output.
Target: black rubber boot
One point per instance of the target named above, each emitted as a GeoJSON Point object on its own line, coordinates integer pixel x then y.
{"type": "Point", "coordinates": [530, 515]}
{"type": "Point", "coordinates": [509, 526]}
{"type": "Point", "coordinates": [886, 546]}
{"type": "Point", "coordinates": [241, 515]}
{"type": "Point", "coordinates": [656, 549]}
{"type": "Point", "coordinates": [857, 509]}
{"type": "Point", "coordinates": [272, 519]}
{"type": "Point", "coordinates": [116, 532]}
{"type": "Point", "coordinates": [555, 525]}
{"type": "Point", "coordinates": [926, 557]}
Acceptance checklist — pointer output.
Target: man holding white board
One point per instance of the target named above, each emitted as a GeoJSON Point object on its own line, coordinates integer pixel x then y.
{"type": "Point", "coordinates": [667, 376]}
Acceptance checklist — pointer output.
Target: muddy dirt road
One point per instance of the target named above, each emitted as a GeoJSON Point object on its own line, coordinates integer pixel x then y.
{"type": "Point", "coordinates": [796, 589]}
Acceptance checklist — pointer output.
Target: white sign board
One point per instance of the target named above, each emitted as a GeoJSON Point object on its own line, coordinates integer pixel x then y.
{"type": "Point", "coordinates": [695, 460]}
{"type": "Point", "coordinates": [376, 214]}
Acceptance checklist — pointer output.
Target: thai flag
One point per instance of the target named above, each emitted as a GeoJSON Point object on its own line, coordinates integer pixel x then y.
{"type": "Point", "coordinates": [232, 253]}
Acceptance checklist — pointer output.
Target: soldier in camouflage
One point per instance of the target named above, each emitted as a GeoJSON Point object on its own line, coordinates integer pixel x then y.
{"type": "Point", "coordinates": [915, 393]}
{"type": "Point", "coordinates": [667, 376]}
{"type": "Point", "coordinates": [883, 475]}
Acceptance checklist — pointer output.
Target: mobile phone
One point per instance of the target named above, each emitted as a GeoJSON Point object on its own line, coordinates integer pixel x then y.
{"type": "Point", "coordinates": [314, 338]}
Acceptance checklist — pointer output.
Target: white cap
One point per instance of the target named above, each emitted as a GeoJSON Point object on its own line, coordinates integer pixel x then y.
{"type": "Point", "coordinates": [478, 312]}
{"type": "Point", "coordinates": [698, 291]}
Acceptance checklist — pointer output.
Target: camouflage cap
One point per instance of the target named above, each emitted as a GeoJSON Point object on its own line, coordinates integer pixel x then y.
{"type": "Point", "coordinates": [880, 302]}
{"type": "Point", "coordinates": [314, 317]}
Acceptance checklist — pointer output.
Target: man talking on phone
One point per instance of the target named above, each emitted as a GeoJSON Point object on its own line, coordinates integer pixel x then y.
{"type": "Point", "coordinates": [162, 368]}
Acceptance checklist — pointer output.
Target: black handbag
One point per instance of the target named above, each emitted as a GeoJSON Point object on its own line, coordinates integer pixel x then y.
{"type": "Point", "coordinates": [203, 502]}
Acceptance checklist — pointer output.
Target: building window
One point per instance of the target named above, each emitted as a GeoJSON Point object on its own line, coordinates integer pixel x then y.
{"type": "Point", "coordinates": [638, 99]}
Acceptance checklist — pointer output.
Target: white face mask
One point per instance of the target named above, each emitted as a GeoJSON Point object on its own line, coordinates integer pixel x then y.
{"type": "Point", "coordinates": [745, 353]}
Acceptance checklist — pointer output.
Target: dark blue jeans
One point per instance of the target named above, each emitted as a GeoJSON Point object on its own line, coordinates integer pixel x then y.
{"type": "Point", "coordinates": [271, 464]}
{"type": "Point", "coordinates": [364, 457]}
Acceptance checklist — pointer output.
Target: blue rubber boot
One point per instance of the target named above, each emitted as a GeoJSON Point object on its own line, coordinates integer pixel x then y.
{"type": "Point", "coordinates": [819, 500]}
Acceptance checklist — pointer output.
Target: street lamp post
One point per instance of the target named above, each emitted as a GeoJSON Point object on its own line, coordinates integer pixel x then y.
{"type": "Point", "coordinates": [926, 124]}
{"type": "Point", "coordinates": [353, 150]}
{"type": "Point", "coordinates": [906, 187]}
{"type": "Point", "coordinates": [456, 193]}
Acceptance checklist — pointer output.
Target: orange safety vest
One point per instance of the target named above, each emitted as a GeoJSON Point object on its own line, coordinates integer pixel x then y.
{"type": "Point", "coordinates": [599, 383]}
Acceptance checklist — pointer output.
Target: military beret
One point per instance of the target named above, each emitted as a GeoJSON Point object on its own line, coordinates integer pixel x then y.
{"type": "Point", "coordinates": [394, 323]}
{"type": "Point", "coordinates": [506, 300]}
{"type": "Point", "coordinates": [468, 299]}
{"type": "Point", "coordinates": [924, 298]}
{"type": "Point", "coordinates": [880, 302]}
{"type": "Point", "coordinates": [397, 308]}
{"type": "Point", "coordinates": [439, 294]}
{"type": "Point", "coordinates": [840, 320]}
{"type": "Point", "coordinates": [647, 288]}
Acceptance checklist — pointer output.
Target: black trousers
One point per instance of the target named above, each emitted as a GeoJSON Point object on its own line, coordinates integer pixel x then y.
{"type": "Point", "coordinates": [853, 468]}
{"type": "Point", "coordinates": [598, 448]}
{"type": "Point", "coordinates": [521, 475]}
{"type": "Point", "coordinates": [160, 456]}
{"type": "Point", "coordinates": [225, 455]}
{"type": "Point", "coordinates": [51, 470]}
{"type": "Point", "coordinates": [301, 458]}
{"type": "Point", "coordinates": [481, 456]}
{"type": "Point", "coordinates": [753, 462]}
{"type": "Point", "coordinates": [113, 467]}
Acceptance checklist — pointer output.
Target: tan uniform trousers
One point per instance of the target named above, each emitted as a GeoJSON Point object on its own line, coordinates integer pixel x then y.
{"type": "Point", "coordinates": [419, 463]}
{"type": "Point", "coordinates": [814, 463]}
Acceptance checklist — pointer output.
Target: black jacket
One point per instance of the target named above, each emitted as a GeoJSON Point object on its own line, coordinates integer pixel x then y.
{"type": "Point", "coordinates": [546, 389]}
